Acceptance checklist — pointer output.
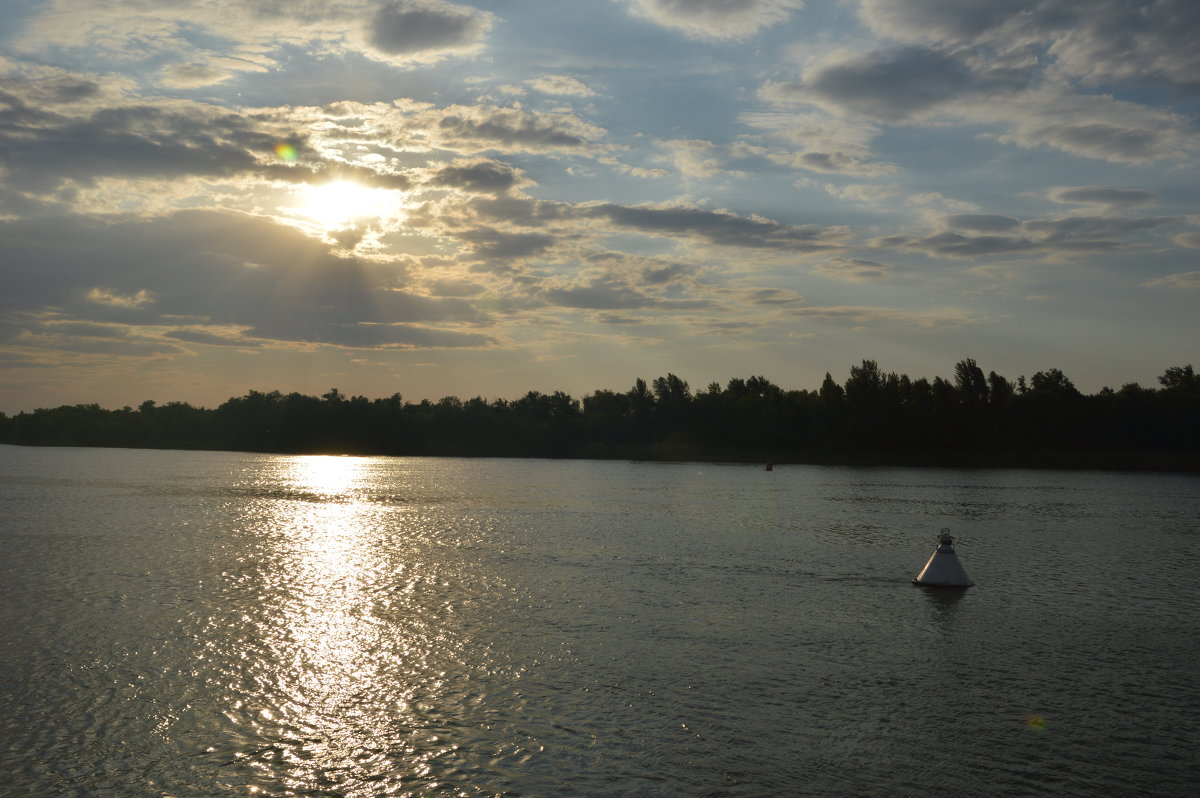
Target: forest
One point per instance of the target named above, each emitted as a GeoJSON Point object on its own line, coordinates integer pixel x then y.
{"type": "Point", "coordinates": [873, 417]}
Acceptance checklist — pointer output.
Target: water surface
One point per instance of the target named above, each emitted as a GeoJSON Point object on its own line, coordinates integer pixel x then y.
{"type": "Point", "coordinates": [202, 624]}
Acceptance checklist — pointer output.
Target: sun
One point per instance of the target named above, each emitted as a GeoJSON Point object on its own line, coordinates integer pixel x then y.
{"type": "Point", "coordinates": [339, 203]}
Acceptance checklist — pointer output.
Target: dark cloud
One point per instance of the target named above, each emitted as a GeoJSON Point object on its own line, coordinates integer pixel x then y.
{"type": "Point", "coordinates": [455, 288]}
{"type": "Point", "coordinates": [840, 163]}
{"type": "Point", "coordinates": [720, 227]}
{"type": "Point", "coordinates": [955, 20]}
{"type": "Point", "coordinates": [774, 297]}
{"type": "Point", "coordinates": [901, 84]}
{"type": "Point", "coordinates": [664, 273]}
{"type": "Point", "coordinates": [1152, 41]}
{"type": "Point", "coordinates": [599, 294]}
{"type": "Point", "coordinates": [1068, 236]}
{"type": "Point", "coordinates": [490, 243]}
{"type": "Point", "coordinates": [716, 227]}
{"type": "Point", "coordinates": [521, 210]}
{"type": "Point", "coordinates": [618, 319]}
{"type": "Point", "coordinates": [210, 268]}
{"type": "Point", "coordinates": [855, 270]}
{"type": "Point", "coordinates": [40, 149]}
{"type": "Point", "coordinates": [982, 222]}
{"type": "Point", "coordinates": [1121, 142]}
{"type": "Point", "coordinates": [426, 28]}
{"type": "Point", "coordinates": [482, 176]}
{"type": "Point", "coordinates": [955, 245]}
{"type": "Point", "coordinates": [484, 127]}
{"type": "Point", "coordinates": [1092, 228]}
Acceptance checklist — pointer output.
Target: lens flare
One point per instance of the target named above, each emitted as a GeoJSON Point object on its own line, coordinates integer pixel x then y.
{"type": "Point", "coordinates": [1036, 722]}
{"type": "Point", "coordinates": [285, 151]}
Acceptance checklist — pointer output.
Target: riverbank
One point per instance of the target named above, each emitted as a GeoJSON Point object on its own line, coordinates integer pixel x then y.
{"type": "Point", "coordinates": [1051, 459]}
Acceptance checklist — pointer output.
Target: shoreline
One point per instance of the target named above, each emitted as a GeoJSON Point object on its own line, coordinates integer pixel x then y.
{"type": "Point", "coordinates": [1050, 460]}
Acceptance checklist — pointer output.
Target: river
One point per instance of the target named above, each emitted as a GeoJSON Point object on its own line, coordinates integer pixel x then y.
{"type": "Point", "coordinates": [210, 624]}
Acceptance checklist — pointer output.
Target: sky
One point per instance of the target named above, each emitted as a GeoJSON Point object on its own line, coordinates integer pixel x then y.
{"type": "Point", "coordinates": [486, 198]}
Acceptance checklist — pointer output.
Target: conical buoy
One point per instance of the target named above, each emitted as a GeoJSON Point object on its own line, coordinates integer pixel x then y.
{"type": "Point", "coordinates": [943, 568]}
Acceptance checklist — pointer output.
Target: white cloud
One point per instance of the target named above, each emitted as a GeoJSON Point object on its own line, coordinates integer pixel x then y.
{"type": "Point", "coordinates": [694, 159]}
{"type": "Point", "coordinates": [190, 76]}
{"type": "Point", "coordinates": [562, 84]}
{"type": "Point", "coordinates": [819, 143]}
{"type": "Point", "coordinates": [1093, 126]}
{"type": "Point", "coordinates": [864, 192]}
{"type": "Point", "coordinates": [715, 19]}
{"type": "Point", "coordinates": [1103, 196]}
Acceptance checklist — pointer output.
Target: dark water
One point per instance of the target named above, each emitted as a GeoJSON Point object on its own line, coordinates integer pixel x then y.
{"type": "Point", "coordinates": [205, 624]}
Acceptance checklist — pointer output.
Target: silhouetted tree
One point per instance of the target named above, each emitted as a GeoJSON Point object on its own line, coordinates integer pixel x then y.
{"type": "Point", "coordinates": [877, 412]}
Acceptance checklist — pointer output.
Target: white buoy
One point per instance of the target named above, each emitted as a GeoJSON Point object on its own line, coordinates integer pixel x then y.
{"type": "Point", "coordinates": [943, 568]}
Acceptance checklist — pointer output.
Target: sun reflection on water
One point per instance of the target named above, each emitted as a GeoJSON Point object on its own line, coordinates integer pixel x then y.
{"type": "Point", "coordinates": [334, 699]}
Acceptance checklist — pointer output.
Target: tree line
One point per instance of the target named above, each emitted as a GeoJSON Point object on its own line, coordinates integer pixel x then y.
{"type": "Point", "coordinates": [873, 416]}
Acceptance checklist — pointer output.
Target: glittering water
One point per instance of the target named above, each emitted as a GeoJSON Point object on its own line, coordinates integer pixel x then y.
{"type": "Point", "coordinates": [206, 624]}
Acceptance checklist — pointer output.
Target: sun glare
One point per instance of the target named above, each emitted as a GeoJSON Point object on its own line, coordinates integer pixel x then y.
{"type": "Point", "coordinates": [341, 202]}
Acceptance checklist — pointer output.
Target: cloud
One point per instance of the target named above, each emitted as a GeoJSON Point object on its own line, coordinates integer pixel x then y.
{"type": "Point", "coordinates": [954, 20]}
{"type": "Point", "coordinates": [47, 147]}
{"type": "Point", "coordinates": [598, 294]}
{"type": "Point", "coordinates": [426, 30]}
{"type": "Point", "coordinates": [193, 336]}
{"type": "Point", "coordinates": [955, 245]}
{"type": "Point", "coordinates": [1096, 127]}
{"type": "Point", "coordinates": [561, 84]}
{"type": "Point", "coordinates": [191, 76]}
{"type": "Point", "coordinates": [214, 268]}
{"type": "Point", "coordinates": [455, 288]}
{"type": "Point", "coordinates": [1091, 40]}
{"type": "Point", "coordinates": [482, 127]}
{"type": "Point", "coordinates": [832, 163]}
{"type": "Point", "coordinates": [1092, 228]}
{"type": "Point", "coordinates": [692, 158]}
{"type": "Point", "coordinates": [1188, 281]}
{"type": "Point", "coordinates": [715, 19]}
{"type": "Point", "coordinates": [720, 227]}
{"type": "Point", "coordinates": [257, 33]}
{"type": "Point", "coordinates": [42, 148]}
{"type": "Point", "coordinates": [855, 270]}
{"type": "Point", "coordinates": [819, 142]}
{"type": "Point", "coordinates": [663, 273]}
{"type": "Point", "coordinates": [982, 222]}
{"type": "Point", "coordinates": [935, 317]}
{"type": "Point", "coordinates": [1189, 240]}
{"type": "Point", "coordinates": [774, 297]}
{"type": "Point", "coordinates": [1113, 198]}
{"type": "Point", "coordinates": [105, 296]}
{"type": "Point", "coordinates": [1005, 235]}
{"type": "Point", "coordinates": [896, 85]}
{"type": "Point", "coordinates": [490, 243]}
{"type": "Point", "coordinates": [478, 176]}
{"type": "Point", "coordinates": [988, 65]}
{"type": "Point", "coordinates": [368, 336]}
